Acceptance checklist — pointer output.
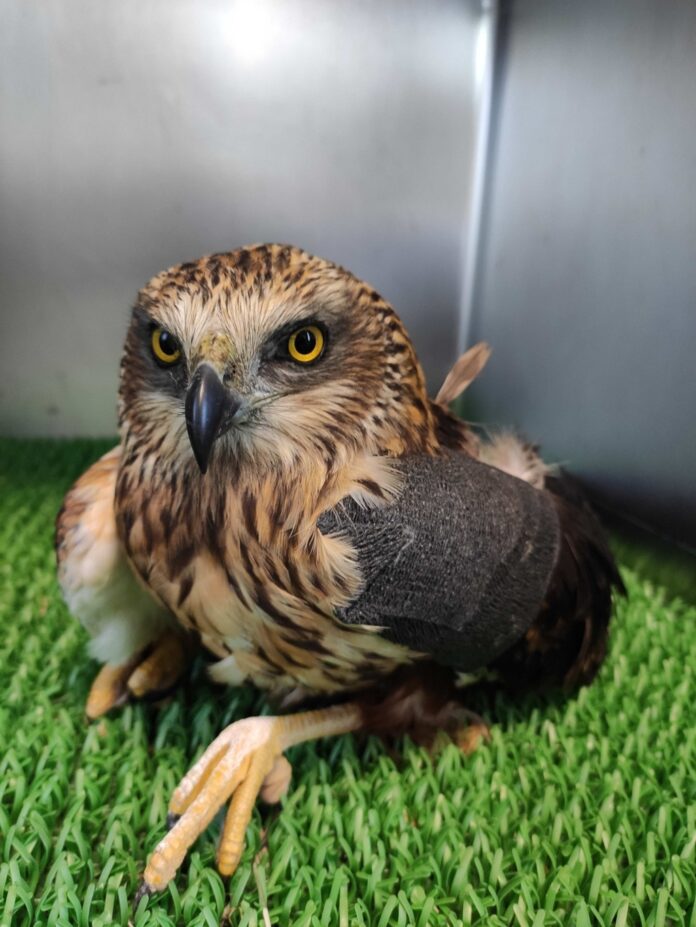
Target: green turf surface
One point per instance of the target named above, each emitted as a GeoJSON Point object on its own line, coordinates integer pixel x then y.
{"type": "Point", "coordinates": [578, 812]}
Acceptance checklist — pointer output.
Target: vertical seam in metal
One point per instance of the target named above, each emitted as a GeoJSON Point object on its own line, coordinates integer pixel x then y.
{"type": "Point", "coordinates": [488, 33]}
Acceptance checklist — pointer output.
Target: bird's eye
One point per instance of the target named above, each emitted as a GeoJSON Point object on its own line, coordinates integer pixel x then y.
{"type": "Point", "coordinates": [306, 344]}
{"type": "Point", "coordinates": [165, 347]}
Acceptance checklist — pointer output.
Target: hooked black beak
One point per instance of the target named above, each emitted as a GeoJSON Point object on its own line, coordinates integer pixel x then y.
{"type": "Point", "coordinates": [210, 409]}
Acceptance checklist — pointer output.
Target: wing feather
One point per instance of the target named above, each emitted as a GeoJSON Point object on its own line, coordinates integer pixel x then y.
{"type": "Point", "coordinates": [95, 577]}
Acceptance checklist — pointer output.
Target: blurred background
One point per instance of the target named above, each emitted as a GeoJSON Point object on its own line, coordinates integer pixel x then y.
{"type": "Point", "coordinates": [521, 172]}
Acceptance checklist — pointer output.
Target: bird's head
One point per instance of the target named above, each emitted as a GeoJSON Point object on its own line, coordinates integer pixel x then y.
{"type": "Point", "coordinates": [267, 354]}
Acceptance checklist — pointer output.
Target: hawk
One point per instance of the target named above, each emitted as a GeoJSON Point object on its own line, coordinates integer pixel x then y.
{"type": "Point", "coordinates": [286, 493]}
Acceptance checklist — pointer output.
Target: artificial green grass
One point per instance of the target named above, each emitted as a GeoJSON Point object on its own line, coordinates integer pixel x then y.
{"type": "Point", "coordinates": [578, 812]}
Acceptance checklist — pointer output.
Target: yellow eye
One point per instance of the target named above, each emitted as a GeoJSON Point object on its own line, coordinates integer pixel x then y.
{"type": "Point", "coordinates": [306, 344]}
{"type": "Point", "coordinates": [165, 347]}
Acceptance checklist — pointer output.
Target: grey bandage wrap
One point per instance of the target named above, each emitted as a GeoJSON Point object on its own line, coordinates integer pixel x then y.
{"type": "Point", "coordinates": [458, 565]}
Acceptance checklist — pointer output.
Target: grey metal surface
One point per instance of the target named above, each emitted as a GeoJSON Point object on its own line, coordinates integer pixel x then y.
{"type": "Point", "coordinates": [587, 286]}
{"type": "Point", "coordinates": [137, 134]}
{"type": "Point", "coordinates": [140, 133]}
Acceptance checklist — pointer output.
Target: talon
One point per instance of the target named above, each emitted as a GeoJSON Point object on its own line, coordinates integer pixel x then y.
{"type": "Point", "coordinates": [144, 891]}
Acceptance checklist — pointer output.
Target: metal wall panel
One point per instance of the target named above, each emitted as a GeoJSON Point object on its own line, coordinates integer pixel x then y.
{"type": "Point", "coordinates": [137, 134]}
{"type": "Point", "coordinates": [587, 286]}
{"type": "Point", "coordinates": [140, 133]}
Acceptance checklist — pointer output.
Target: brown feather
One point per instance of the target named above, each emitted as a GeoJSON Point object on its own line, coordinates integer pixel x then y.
{"type": "Point", "coordinates": [465, 370]}
{"type": "Point", "coordinates": [567, 643]}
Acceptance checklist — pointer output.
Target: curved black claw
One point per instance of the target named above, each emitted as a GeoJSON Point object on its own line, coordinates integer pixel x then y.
{"type": "Point", "coordinates": [172, 819]}
{"type": "Point", "coordinates": [144, 891]}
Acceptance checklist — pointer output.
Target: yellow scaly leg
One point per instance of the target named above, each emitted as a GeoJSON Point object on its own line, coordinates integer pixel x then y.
{"type": "Point", "coordinates": [154, 669]}
{"type": "Point", "coordinates": [239, 763]}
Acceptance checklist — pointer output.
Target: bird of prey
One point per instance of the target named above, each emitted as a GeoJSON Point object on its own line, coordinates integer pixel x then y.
{"type": "Point", "coordinates": [286, 493]}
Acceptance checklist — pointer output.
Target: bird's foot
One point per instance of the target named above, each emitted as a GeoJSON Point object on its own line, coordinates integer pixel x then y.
{"type": "Point", "coordinates": [235, 765]}
{"type": "Point", "coordinates": [154, 669]}
{"type": "Point", "coordinates": [244, 760]}
{"type": "Point", "coordinates": [470, 732]}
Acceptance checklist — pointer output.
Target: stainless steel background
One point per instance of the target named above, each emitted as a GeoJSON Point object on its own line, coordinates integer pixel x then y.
{"type": "Point", "coordinates": [140, 133]}
{"type": "Point", "coordinates": [587, 284]}
{"type": "Point", "coordinates": [137, 134]}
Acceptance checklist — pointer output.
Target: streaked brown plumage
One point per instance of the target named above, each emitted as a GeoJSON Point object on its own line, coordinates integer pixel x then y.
{"type": "Point", "coordinates": [235, 555]}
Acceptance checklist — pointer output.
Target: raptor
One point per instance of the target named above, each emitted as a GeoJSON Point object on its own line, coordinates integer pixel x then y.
{"type": "Point", "coordinates": [286, 493]}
